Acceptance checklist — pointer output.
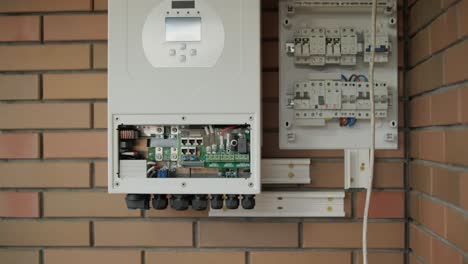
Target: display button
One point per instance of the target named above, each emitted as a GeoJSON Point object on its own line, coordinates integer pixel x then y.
{"type": "Point", "coordinates": [172, 52]}
{"type": "Point", "coordinates": [183, 46]}
{"type": "Point", "coordinates": [193, 52]}
{"type": "Point", "coordinates": [182, 58]}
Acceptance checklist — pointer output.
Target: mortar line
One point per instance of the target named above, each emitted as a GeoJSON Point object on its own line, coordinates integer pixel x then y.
{"type": "Point", "coordinates": [406, 33]}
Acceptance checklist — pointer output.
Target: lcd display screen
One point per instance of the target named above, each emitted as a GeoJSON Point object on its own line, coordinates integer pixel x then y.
{"type": "Point", "coordinates": [183, 4]}
{"type": "Point", "coordinates": [183, 28]}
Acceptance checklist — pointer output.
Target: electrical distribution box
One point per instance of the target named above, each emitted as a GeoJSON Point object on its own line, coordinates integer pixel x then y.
{"type": "Point", "coordinates": [324, 58]}
{"type": "Point", "coordinates": [184, 102]}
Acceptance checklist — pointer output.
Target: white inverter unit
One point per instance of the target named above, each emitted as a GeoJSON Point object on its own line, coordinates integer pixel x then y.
{"type": "Point", "coordinates": [184, 110]}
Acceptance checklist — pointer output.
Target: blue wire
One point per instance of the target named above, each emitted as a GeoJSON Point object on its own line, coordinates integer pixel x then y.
{"type": "Point", "coordinates": [363, 76]}
{"type": "Point", "coordinates": [351, 121]}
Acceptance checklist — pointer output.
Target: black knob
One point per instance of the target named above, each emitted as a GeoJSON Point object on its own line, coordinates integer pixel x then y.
{"type": "Point", "coordinates": [200, 202]}
{"type": "Point", "coordinates": [160, 201]}
{"type": "Point", "coordinates": [248, 202]}
{"type": "Point", "coordinates": [180, 202]}
{"type": "Point", "coordinates": [232, 201]}
{"type": "Point", "coordinates": [216, 201]}
{"type": "Point", "coordinates": [138, 201]}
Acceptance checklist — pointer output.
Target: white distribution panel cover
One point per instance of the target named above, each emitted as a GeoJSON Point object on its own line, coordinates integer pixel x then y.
{"type": "Point", "coordinates": [324, 59]}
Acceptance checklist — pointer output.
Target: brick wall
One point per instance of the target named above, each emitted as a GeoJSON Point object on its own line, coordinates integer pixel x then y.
{"type": "Point", "coordinates": [438, 87]}
{"type": "Point", "coordinates": [54, 207]}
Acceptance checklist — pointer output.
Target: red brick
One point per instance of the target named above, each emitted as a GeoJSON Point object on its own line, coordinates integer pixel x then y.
{"type": "Point", "coordinates": [100, 56]}
{"type": "Point", "coordinates": [457, 228]}
{"type": "Point", "coordinates": [75, 86]}
{"type": "Point", "coordinates": [455, 63]}
{"type": "Point", "coordinates": [349, 235]}
{"type": "Point", "coordinates": [462, 190]}
{"type": "Point", "coordinates": [19, 146]}
{"type": "Point", "coordinates": [444, 30]}
{"type": "Point", "coordinates": [414, 260]}
{"type": "Point", "coordinates": [414, 143]}
{"type": "Point", "coordinates": [100, 174]}
{"type": "Point", "coordinates": [19, 204]}
{"type": "Point", "coordinates": [79, 256]}
{"type": "Point", "coordinates": [20, 28]}
{"type": "Point", "coordinates": [46, 175]}
{"type": "Point", "coordinates": [463, 103]}
{"type": "Point", "coordinates": [86, 204]}
{"type": "Point", "coordinates": [456, 142]}
{"type": "Point", "coordinates": [382, 204]}
{"type": "Point", "coordinates": [382, 258]}
{"type": "Point", "coordinates": [205, 257]}
{"type": "Point", "coordinates": [445, 185]}
{"type": "Point", "coordinates": [420, 243]}
{"type": "Point", "coordinates": [414, 208]}
{"type": "Point", "coordinates": [7, 6]}
{"type": "Point", "coordinates": [100, 115]}
{"type": "Point", "coordinates": [19, 87]}
{"type": "Point", "coordinates": [442, 253]}
{"type": "Point", "coordinates": [432, 145]}
{"type": "Point", "coordinates": [75, 27]}
{"type": "Point", "coordinates": [75, 145]}
{"type": "Point", "coordinates": [433, 216]}
{"type": "Point", "coordinates": [280, 257]}
{"type": "Point", "coordinates": [44, 233]}
{"type": "Point", "coordinates": [241, 234]}
{"type": "Point", "coordinates": [445, 107]}
{"type": "Point", "coordinates": [10, 256]}
{"type": "Point", "coordinates": [388, 175]}
{"type": "Point", "coordinates": [154, 233]}
{"type": "Point", "coordinates": [426, 76]}
{"type": "Point", "coordinates": [462, 8]}
{"type": "Point", "coordinates": [51, 116]}
{"type": "Point", "coordinates": [422, 12]}
{"type": "Point", "coordinates": [420, 177]}
{"type": "Point", "coordinates": [327, 174]}
{"type": "Point", "coordinates": [45, 57]}
{"type": "Point", "coordinates": [420, 111]}
{"type": "Point", "coordinates": [100, 4]}
{"type": "Point", "coordinates": [172, 213]}
{"type": "Point", "coordinates": [419, 47]}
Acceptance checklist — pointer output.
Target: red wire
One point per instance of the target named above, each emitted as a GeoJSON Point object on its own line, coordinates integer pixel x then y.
{"type": "Point", "coordinates": [226, 129]}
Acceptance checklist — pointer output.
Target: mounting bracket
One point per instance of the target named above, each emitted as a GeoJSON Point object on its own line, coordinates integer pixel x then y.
{"type": "Point", "coordinates": [291, 204]}
{"type": "Point", "coordinates": [357, 168]}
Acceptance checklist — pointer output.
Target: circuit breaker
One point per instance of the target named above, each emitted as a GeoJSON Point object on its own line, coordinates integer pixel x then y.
{"type": "Point", "coordinates": [184, 103]}
{"type": "Point", "coordinates": [324, 55]}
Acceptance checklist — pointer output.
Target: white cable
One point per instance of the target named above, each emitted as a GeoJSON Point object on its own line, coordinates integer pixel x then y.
{"type": "Point", "coordinates": [372, 124]}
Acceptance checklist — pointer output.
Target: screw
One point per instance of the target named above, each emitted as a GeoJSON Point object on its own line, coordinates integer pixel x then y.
{"type": "Point", "coordinates": [251, 118]}
{"type": "Point", "coordinates": [117, 118]}
{"type": "Point", "coordinates": [251, 184]}
{"type": "Point", "coordinates": [280, 208]}
{"type": "Point", "coordinates": [117, 184]}
{"type": "Point", "coordinates": [184, 185]}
